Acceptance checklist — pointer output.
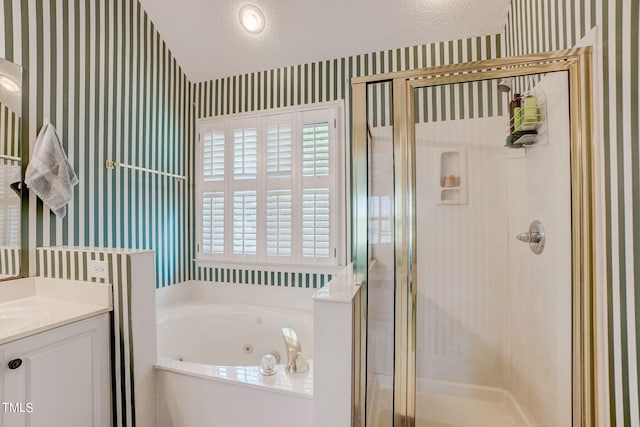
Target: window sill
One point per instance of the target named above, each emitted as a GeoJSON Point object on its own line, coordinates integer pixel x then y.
{"type": "Point", "coordinates": [294, 268]}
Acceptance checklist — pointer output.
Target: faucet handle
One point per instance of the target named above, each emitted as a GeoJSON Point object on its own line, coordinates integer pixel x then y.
{"type": "Point", "coordinates": [290, 338]}
{"type": "Point", "coordinates": [296, 362]}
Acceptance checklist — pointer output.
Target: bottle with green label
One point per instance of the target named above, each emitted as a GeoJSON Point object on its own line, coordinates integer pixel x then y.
{"type": "Point", "coordinates": [530, 110]}
{"type": "Point", "coordinates": [514, 106]}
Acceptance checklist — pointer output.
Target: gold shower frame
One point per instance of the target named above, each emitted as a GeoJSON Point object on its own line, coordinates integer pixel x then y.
{"type": "Point", "coordinates": [578, 64]}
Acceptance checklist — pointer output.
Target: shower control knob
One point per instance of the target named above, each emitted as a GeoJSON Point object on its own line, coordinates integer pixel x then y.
{"type": "Point", "coordinates": [535, 237]}
{"type": "Point", "coordinates": [523, 237]}
{"type": "Point", "coordinates": [529, 237]}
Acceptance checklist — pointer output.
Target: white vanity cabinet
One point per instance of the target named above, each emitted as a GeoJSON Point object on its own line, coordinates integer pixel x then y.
{"type": "Point", "coordinates": [59, 377]}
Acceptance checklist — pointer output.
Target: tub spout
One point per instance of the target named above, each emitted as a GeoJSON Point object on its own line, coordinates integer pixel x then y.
{"type": "Point", "coordinates": [296, 363]}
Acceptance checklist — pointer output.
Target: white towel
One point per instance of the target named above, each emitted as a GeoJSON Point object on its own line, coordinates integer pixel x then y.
{"type": "Point", "coordinates": [49, 173]}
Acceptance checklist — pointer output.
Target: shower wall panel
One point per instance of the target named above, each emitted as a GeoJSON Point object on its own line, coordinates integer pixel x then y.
{"type": "Point", "coordinates": [462, 256]}
{"type": "Point", "coordinates": [539, 291]}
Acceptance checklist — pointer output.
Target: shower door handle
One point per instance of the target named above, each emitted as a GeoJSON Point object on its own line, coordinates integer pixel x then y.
{"type": "Point", "coordinates": [535, 237]}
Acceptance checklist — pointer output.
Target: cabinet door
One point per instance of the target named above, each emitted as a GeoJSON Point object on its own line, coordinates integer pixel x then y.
{"type": "Point", "coordinates": [64, 376]}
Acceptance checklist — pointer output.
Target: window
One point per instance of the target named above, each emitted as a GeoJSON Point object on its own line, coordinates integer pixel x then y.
{"type": "Point", "coordinates": [269, 189]}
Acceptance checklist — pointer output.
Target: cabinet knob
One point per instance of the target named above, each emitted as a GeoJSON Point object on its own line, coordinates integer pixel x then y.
{"type": "Point", "coordinates": [15, 363]}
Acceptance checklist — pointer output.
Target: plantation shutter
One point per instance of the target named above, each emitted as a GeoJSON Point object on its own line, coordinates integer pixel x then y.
{"type": "Point", "coordinates": [279, 145]}
{"type": "Point", "coordinates": [213, 222]}
{"type": "Point", "coordinates": [243, 188]}
{"type": "Point", "coordinates": [245, 222]}
{"type": "Point", "coordinates": [266, 188]}
{"type": "Point", "coordinates": [212, 199]}
{"type": "Point", "coordinates": [279, 186]}
{"type": "Point", "coordinates": [14, 225]}
{"type": "Point", "coordinates": [278, 226]}
{"type": "Point", "coordinates": [317, 242]}
{"type": "Point", "coordinates": [213, 156]}
{"type": "Point", "coordinates": [245, 153]}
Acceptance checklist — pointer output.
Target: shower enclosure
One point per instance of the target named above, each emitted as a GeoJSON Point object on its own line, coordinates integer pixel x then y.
{"type": "Point", "coordinates": [472, 233]}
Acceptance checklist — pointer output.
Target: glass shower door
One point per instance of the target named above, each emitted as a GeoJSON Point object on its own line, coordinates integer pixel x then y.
{"type": "Point", "coordinates": [493, 327]}
{"type": "Point", "coordinates": [380, 256]}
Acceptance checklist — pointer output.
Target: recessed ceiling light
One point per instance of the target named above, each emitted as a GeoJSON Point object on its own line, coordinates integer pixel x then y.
{"type": "Point", "coordinates": [252, 19]}
{"type": "Point", "coordinates": [9, 84]}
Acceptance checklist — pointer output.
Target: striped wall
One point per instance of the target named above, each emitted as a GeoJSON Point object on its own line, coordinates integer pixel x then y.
{"type": "Point", "coordinates": [440, 103]}
{"type": "Point", "coordinates": [459, 101]}
{"type": "Point", "coordinates": [330, 80]}
{"type": "Point", "coordinates": [542, 25]}
{"type": "Point", "coordinates": [9, 131]}
{"type": "Point", "coordinates": [9, 261]}
{"type": "Point", "coordinates": [71, 264]}
{"type": "Point", "coordinates": [101, 73]}
{"type": "Point", "coordinates": [277, 277]}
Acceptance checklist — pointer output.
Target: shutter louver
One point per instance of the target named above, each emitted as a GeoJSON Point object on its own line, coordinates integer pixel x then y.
{"type": "Point", "coordinates": [245, 222]}
{"type": "Point", "coordinates": [14, 224]}
{"type": "Point", "coordinates": [9, 205]}
{"type": "Point", "coordinates": [279, 151]}
{"type": "Point", "coordinates": [278, 236]}
{"type": "Point", "coordinates": [315, 149]}
{"type": "Point", "coordinates": [245, 153]}
{"type": "Point", "coordinates": [315, 222]}
{"type": "Point", "coordinates": [213, 156]}
{"type": "Point", "coordinates": [213, 223]}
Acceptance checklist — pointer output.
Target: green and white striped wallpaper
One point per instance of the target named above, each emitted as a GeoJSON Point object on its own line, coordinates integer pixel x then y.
{"type": "Point", "coordinates": [9, 261]}
{"type": "Point", "coordinates": [287, 279]}
{"type": "Point", "coordinates": [330, 80]}
{"type": "Point", "coordinates": [101, 73]}
{"type": "Point", "coordinates": [543, 25]}
{"type": "Point", "coordinates": [9, 131]}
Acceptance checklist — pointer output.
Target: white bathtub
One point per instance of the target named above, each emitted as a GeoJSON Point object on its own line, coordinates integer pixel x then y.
{"type": "Point", "coordinates": [210, 343]}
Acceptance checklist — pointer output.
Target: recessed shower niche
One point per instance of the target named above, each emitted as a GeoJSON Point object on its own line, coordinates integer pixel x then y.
{"type": "Point", "coordinates": [451, 176]}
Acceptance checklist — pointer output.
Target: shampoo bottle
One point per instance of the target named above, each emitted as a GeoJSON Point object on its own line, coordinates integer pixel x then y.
{"type": "Point", "coordinates": [530, 109]}
{"type": "Point", "coordinates": [513, 105]}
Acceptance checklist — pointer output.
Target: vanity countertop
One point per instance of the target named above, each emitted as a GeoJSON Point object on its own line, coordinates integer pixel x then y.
{"type": "Point", "coordinates": [36, 304]}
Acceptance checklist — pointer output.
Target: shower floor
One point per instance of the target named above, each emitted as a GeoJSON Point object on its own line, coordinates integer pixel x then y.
{"type": "Point", "coordinates": [444, 408]}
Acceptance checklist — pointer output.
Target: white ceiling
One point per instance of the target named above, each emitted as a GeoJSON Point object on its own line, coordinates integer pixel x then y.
{"type": "Point", "coordinates": [207, 40]}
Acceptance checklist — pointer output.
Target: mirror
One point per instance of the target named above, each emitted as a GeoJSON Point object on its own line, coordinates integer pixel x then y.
{"type": "Point", "coordinates": [10, 168]}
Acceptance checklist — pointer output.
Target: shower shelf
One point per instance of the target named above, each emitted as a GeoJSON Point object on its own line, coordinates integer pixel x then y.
{"type": "Point", "coordinates": [529, 132]}
{"type": "Point", "coordinates": [451, 176]}
{"type": "Point", "coordinates": [523, 139]}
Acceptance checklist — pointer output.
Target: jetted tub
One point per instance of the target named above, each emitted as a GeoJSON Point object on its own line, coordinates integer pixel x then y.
{"type": "Point", "coordinates": [211, 340]}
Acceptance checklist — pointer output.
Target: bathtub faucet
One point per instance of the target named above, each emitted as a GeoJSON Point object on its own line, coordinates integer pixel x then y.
{"type": "Point", "coordinates": [296, 363]}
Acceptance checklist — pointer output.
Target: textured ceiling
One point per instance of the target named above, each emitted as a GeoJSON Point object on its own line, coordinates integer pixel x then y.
{"type": "Point", "coordinates": [206, 38]}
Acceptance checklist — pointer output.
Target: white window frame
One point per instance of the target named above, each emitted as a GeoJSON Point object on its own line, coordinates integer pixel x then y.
{"type": "Point", "coordinates": [333, 112]}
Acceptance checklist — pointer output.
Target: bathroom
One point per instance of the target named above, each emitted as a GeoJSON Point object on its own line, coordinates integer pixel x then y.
{"type": "Point", "coordinates": [370, 267]}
